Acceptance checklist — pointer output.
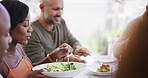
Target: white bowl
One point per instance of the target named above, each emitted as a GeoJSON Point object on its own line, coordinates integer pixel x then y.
{"type": "Point", "coordinates": [65, 74]}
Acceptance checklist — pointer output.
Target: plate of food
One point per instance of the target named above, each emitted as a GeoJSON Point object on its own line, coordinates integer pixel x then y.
{"type": "Point", "coordinates": [102, 69]}
{"type": "Point", "coordinates": [106, 59]}
{"type": "Point", "coordinates": [61, 69]}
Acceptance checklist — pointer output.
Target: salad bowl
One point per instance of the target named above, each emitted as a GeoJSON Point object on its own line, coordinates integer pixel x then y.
{"type": "Point", "coordinates": [61, 69]}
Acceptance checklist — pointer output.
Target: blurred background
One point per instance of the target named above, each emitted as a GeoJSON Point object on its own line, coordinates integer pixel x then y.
{"type": "Point", "coordinates": [97, 24]}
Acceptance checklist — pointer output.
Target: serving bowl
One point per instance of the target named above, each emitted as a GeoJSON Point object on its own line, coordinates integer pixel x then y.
{"type": "Point", "coordinates": [62, 74]}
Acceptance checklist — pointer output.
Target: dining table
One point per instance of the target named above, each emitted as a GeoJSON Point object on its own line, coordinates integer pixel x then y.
{"type": "Point", "coordinates": [89, 74]}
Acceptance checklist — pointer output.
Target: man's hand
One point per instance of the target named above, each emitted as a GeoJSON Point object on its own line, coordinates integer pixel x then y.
{"type": "Point", "coordinates": [74, 58]}
{"type": "Point", "coordinates": [81, 51]}
{"type": "Point", "coordinates": [62, 51]}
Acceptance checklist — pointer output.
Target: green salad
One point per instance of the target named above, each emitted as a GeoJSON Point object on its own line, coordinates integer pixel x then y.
{"type": "Point", "coordinates": [60, 67]}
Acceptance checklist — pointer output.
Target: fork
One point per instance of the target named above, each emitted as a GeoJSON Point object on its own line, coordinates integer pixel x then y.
{"type": "Point", "coordinates": [68, 60]}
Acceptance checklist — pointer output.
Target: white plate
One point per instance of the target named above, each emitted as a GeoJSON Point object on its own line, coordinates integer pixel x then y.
{"type": "Point", "coordinates": [93, 69]}
{"type": "Point", "coordinates": [106, 59]}
{"type": "Point", "coordinates": [80, 67]}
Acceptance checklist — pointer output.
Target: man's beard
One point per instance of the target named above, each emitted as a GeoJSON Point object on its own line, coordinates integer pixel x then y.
{"type": "Point", "coordinates": [49, 21]}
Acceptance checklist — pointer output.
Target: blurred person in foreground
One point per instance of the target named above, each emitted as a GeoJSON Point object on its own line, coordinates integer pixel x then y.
{"type": "Point", "coordinates": [134, 60]}
{"type": "Point", "coordinates": [49, 32]}
{"type": "Point", "coordinates": [121, 45]}
{"type": "Point", "coordinates": [15, 63]}
{"type": "Point", "coordinates": [5, 38]}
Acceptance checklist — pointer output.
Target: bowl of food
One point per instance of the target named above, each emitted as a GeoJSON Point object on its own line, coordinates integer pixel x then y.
{"type": "Point", "coordinates": [61, 69]}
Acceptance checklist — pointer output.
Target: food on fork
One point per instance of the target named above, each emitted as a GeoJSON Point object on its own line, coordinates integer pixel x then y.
{"type": "Point", "coordinates": [103, 68]}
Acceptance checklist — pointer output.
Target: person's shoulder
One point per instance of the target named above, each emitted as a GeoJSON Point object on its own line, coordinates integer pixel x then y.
{"type": "Point", "coordinates": [62, 24]}
{"type": "Point", "coordinates": [36, 26]}
{"type": "Point", "coordinates": [20, 48]}
{"type": "Point", "coordinates": [62, 21]}
{"type": "Point", "coordinates": [136, 22]}
{"type": "Point", "coordinates": [138, 19]}
{"type": "Point", "coordinates": [34, 23]}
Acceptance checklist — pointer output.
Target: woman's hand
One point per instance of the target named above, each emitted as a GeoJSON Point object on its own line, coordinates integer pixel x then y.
{"type": "Point", "coordinates": [60, 52]}
{"type": "Point", "coordinates": [37, 74]}
{"type": "Point", "coordinates": [81, 51]}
